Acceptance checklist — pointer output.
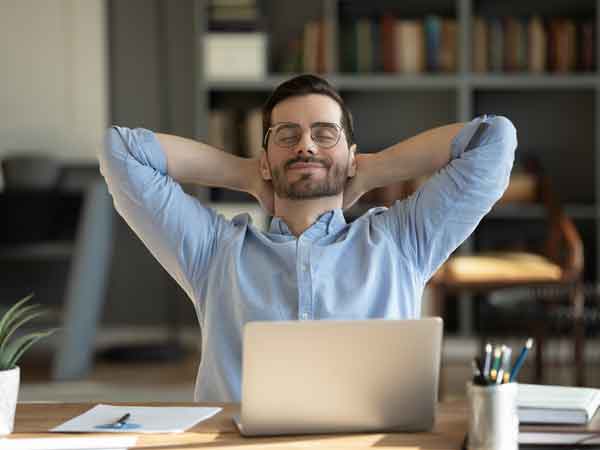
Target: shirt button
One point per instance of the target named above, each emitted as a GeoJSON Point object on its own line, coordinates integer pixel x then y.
{"type": "Point", "coordinates": [304, 316]}
{"type": "Point", "coordinates": [305, 267]}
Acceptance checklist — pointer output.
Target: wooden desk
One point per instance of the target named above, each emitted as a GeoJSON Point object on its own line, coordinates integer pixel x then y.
{"type": "Point", "coordinates": [35, 419]}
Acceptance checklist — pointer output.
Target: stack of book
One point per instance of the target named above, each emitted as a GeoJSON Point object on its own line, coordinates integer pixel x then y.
{"type": "Point", "coordinates": [235, 46]}
{"type": "Point", "coordinates": [235, 131]}
{"type": "Point", "coordinates": [558, 415]}
{"type": "Point", "coordinates": [233, 15]}
{"type": "Point", "coordinates": [313, 52]}
{"type": "Point", "coordinates": [398, 45]}
{"type": "Point", "coordinates": [532, 44]}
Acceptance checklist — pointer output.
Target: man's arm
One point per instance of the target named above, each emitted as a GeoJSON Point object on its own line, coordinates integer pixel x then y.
{"type": "Point", "coordinates": [190, 161]}
{"type": "Point", "coordinates": [419, 155]}
{"type": "Point", "coordinates": [474, 162]}
{"type": "Point", "coordinates": [178, 230]}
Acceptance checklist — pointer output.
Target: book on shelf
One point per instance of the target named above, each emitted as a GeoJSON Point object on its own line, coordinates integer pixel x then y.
{"type": "Point", "coordinates": [310, 46]}
{"type": "Point", "coordinates": [536, 62]}
{"type": "Point", "coordinates": [388, 44]}
{"type": "Point", "coordinates": [252, 147]}
{"type": "Point", "coordinates": [496, 45]}
{"type": "Point", "coordinates": [480, 45]}
{"type": "Point", "coordinates": [312, 51]}
{"type": "Point", "coordinates": [364, 45]}
{"type": "Point", "coordinates": [512, 39]}
{"type": "Point", "coordinates": [398, 45]}
{"type": "Point", "coordinates": [533, 44]}
{"type": "Point", "coordinates": [236, 131]}
{"type": "Point", "coordinates": [410, 46]}
{"type": "Point", "coordinates": [448, 46]}
{"type": "Point", "coordinates": [586, 53]}
{"type": "Point", "coordinates": [432, 27]}
{"type": "Point", "coordinates": [542, 404]}
{"type": "Point", "coordinates": [222, 130]}
{"type": "Point", "coordinates": [233, 15]}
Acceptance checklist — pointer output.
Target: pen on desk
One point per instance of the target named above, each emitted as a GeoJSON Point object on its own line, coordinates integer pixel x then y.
{"type": "Point", "coordinates": [495, 364]}
{"type": "Point", "coordinates": [465, 442]}
{"type": "Point", "coordinates": [477, 376]}
{"type": "Point", "coordinates": [521, 359]}
{"type": "Point", "coordinates": [487, 361]}
{"type": "Point", "coordinates": [122, 421]}
{"type": "Point", "coordinates": [505, 365]}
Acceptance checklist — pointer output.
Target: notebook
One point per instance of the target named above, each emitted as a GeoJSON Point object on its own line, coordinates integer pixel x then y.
{"type": "Point", "coordinates": [557, 404]}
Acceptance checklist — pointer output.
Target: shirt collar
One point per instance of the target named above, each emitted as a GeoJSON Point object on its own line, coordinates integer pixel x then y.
{"type": "Point", "coordinates": [327, 223]}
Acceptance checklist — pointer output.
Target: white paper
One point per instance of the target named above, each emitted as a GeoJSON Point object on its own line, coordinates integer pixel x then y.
{"type": "Point", "coordinates": [559, 438]}
{"type": "Point", "coordinates": [76, 443]}
{"type": "Point", "coordinates": [151, 419]}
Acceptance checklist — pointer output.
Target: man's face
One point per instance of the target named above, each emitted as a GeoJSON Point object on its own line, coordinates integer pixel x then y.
{"type": "Point", "coordinates": [306, 169]}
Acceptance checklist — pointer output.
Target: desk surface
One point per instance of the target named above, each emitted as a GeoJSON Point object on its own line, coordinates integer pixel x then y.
{"type": "Point", "coordinates": [35, 419]}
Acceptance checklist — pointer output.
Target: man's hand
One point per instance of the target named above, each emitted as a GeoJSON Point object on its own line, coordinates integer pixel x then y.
{"type": "Point", "coordinates": [358, 185]}
{"type": "Point", "coordinates": [259, 188]}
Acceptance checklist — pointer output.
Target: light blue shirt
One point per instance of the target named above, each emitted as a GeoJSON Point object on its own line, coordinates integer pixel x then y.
{"type": "Point", "coordinates": [374, 267]}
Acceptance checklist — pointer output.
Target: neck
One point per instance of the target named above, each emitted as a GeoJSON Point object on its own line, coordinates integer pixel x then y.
{"type": "Point", "coordinates": [301, 214]}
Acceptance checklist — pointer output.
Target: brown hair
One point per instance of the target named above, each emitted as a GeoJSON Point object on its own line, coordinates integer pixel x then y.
{"type": "Point", "coordinates": [304, 85]}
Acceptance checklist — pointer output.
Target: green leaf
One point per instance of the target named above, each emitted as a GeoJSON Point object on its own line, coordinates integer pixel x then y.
{"type": "Point", "coordinates": [15, 317]}
{"type": "Point", "coordinates": [13, 352]}
{"type": "Point", "coordinates": [12, 327]}
{"type": "Point", "coordinates": [15, 309]}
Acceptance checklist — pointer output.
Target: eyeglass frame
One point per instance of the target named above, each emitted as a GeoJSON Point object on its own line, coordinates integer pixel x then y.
{"type": "Point", "coordinates": [339, 127]}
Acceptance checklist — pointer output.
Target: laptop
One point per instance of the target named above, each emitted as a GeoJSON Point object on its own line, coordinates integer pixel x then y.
{"type": "Point", "coordinates": [339, 376]}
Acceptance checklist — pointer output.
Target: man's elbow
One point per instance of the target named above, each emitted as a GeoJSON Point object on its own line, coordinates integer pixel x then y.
{"type": "Point", "coordinates": [112, 153]}
{"type": "Point", "coordinates": [504, 130]}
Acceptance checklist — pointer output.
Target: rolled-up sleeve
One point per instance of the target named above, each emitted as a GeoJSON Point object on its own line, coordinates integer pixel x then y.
{"type": "Point", "coordinates": [177, 229]}
{"type": "Point", "coordinates": [439, 216]}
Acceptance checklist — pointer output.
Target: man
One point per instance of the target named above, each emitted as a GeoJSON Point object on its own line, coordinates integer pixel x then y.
{"type": "Point", "coordinates": [311, 264]}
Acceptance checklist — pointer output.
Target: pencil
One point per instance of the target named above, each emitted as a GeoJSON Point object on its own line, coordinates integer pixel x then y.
{"type": "Point", "coordinates": [521, 359]}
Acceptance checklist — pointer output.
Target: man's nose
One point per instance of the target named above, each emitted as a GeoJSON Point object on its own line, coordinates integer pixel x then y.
{"type": "Point", "coordinates": [306, 144]}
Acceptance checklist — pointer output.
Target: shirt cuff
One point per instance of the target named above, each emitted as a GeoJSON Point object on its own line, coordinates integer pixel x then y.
{"type": "Point", "coordinates": [144, 147]}
{"type": "Point", "coordinates": [463, 138]}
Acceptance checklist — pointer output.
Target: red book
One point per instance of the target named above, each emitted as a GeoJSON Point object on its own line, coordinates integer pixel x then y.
{"type": "Point", "coordinates": [320, 46]}
{"type": "Point", "coordinates": [586, 58]}
{"type": "Point", "coordinates": [388, 23]}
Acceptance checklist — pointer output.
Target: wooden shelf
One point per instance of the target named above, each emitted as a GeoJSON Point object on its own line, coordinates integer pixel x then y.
{"type": "Point", "coordinates": [43, 251]}
{"type": "Point", "coordinates": [533, 81]}
{"type": "Point", "coordinates": [382, 82]}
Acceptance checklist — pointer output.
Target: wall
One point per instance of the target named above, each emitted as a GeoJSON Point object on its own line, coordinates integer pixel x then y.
{"type": "Point", "coordinates": [54, 80]}
{"type": "Point", "coordinates": [151, 66]}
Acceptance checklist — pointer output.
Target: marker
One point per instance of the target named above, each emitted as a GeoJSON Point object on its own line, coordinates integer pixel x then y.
{"type": "Point", "coordinates": [477, 376]}
{"type": "Point", "coordinates": [496, 364]}
{"type": "Point", "coordinates": [487, 361]}
{"type": "Point", "coordinates": [122, 421]}
{"type": "Point", "coordinates": [521, 359]}
{"type": "Point", "coordinates": [505, 366]}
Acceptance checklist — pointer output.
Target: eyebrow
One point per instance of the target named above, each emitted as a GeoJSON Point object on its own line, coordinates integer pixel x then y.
{"type": "Point", "coordinates": [297, 124]}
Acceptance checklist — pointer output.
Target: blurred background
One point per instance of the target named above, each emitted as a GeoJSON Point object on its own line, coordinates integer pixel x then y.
{"type": "Point", "coordinates": [202, 69]}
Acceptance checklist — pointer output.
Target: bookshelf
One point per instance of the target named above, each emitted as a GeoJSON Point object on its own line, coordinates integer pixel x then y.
{"type": "Point", "coordinates": [391, 106]}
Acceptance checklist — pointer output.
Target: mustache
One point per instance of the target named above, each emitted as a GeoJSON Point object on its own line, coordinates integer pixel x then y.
{"type": "Point", "coordinates": [308, 160]}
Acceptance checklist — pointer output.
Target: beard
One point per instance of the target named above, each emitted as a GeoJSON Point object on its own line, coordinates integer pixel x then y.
{"type": "Point", "coordinates": [306, 187]}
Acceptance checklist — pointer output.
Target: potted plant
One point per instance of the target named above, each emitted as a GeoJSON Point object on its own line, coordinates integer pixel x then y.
{"type": "Point", "coordinates": [11, 350]}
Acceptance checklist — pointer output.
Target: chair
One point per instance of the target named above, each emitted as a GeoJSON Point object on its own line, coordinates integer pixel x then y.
{"type": "Point", "coordinates": [557, 263]}
{"type": "Point", "coordinates": [50, 216]}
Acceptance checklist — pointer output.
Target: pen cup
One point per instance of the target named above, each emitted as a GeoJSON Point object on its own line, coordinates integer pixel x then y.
{"type": "Point", "coordinates": [493, 419]}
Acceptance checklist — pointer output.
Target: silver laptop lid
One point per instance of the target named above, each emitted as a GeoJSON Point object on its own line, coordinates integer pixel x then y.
{"type": "Point", "coordinates": [340, 376]}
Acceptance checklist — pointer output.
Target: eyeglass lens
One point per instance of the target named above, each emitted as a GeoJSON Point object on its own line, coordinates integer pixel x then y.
{"type": "Point", "coordinates": [325, 135]}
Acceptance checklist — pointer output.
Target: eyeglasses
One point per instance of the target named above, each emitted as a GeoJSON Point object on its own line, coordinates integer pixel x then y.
{"type": "Point", "coordinates": [288, 134]}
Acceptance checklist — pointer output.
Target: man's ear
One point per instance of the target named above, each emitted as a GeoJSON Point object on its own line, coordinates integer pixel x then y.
{"type": "Point", "coordinates": [265, 168]}
{"type": "Point", "coordinates": [352, 162]}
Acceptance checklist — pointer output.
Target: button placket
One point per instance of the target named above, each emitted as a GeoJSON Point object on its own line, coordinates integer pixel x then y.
{"type": "Point", "coordinates": [304, 280]}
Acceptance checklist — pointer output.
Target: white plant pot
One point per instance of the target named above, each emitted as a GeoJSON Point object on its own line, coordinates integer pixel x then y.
{"type": "Point", "coordinates": [9, 391]}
